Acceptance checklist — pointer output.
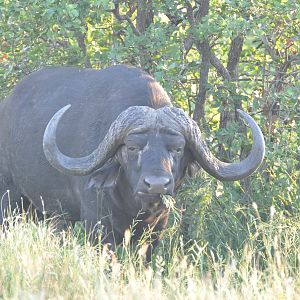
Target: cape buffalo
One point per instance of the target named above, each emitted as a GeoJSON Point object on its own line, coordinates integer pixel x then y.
{"type": "Point", "coordinates": [114, 144]}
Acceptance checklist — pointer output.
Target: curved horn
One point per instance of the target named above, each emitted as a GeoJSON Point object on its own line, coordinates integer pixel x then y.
{"type": "Point", "coordinates": [212, 165]}
{"type": "Point", "coordinates": [130, 119]}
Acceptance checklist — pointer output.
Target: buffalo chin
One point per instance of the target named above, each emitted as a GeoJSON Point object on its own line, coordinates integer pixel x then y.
{"type": "Point", "coordinates": [151, 203]}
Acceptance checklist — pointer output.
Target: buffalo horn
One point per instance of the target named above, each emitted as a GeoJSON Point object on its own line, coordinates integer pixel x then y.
{"type": "Point", "coordinates": [212, 165]}
{"type": "Point", "coordinates": [129, 120]}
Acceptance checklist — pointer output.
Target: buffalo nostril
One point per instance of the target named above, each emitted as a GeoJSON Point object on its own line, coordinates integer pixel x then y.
{"type": "Point", "coordinates": [167, 181]}
{"type": "Point", "coordinates": [153, 180]}
{"type": "Point", "coordinates": [147, 182]}
{"type": "Point", "coordinates": [157, 184]}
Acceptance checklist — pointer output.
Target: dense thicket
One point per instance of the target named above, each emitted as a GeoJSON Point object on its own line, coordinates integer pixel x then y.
{"type": "Point", "coordinates": [212, 57]}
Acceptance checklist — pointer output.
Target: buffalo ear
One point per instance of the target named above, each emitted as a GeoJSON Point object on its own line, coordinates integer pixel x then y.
{"type": "Point", "coordinates": [105, 177]}
{"type": "Point", "coordinates": [193, 168]}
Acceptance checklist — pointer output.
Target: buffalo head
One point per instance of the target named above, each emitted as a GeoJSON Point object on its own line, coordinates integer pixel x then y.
{"type": "Point", "coordinates": [151, 149]}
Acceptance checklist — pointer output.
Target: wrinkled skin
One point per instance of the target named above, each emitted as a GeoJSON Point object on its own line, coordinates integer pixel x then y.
{"type": "Point", "coordinates": [134, 183]}
{"type": "Point", "coordinates": [122, 139]}
{"type": "Point", "coordinates": [97, 98]}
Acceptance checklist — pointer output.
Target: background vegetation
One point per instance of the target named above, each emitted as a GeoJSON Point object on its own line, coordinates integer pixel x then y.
{"type": "Point", "coordinates": [231, 239]}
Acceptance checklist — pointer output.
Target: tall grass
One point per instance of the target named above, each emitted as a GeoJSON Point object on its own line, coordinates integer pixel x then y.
{"type": "Point", "coordinates": [36, 262]}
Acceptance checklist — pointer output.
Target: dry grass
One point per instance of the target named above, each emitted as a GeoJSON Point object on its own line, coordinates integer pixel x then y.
{"type": "Point", "coordinates": [37, 263]}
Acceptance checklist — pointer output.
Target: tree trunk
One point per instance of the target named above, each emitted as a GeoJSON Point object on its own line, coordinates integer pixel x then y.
{"type": "Point", "coordinates": [203, 47]}
{"type": "Point", "coordinates": [143, 20]}
{"type": "Point", "coordinates": [80, 37]}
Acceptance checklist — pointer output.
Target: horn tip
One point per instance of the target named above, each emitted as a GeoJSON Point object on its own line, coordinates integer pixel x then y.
{"type": "Point", "coordinates": [62, 110]}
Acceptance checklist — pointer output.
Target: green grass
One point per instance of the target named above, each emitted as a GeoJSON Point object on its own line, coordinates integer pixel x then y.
{"type": "Point", "coordinates": [36, 262]}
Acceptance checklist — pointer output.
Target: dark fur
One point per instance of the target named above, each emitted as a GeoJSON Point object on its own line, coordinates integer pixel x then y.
{"type": "Point", "coordinates": [97, 98]}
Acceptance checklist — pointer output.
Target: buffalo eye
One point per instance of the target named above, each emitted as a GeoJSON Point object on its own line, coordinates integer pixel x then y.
{"type": "Point", "coordinates": [177, 150]}
{"type": "Point", "coordinates": [132, 148]}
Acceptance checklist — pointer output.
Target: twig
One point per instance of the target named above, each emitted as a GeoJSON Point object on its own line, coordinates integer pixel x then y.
{"type": "Point", "coordinates": [270, 50]}
{"type": "Point", "coordinates": [126, 17]}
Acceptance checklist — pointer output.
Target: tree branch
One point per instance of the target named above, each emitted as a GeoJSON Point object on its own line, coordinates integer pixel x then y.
{"type": "Point", "coordinates": [234, 56]}
{"type": "Point", "coordinates": [144, 15]}
{"type": "Point", "coordinates": [190, 13]}
{"type": "Point", "coordinates": [203, 48]}
{"type": "Point", "coordinates": [126, 17]}
{"type": "Point", "coordinates": [202, 11]}
{"type": "Point", "coordinates": [80, 38]}
{"type": "Point", "coordinates": [229, 73]}
{"type": "Point", "coordinates": [219, 66]}
{"type": "Point", "coordinates": [270, 50]}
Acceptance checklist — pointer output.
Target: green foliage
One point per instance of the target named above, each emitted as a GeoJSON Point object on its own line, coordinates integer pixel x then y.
{"type": "Point", "coordinates": [34, 34]}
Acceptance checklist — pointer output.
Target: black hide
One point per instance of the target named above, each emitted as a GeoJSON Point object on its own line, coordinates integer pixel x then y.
{"type": "Point", "coordinates": [97, 98]}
